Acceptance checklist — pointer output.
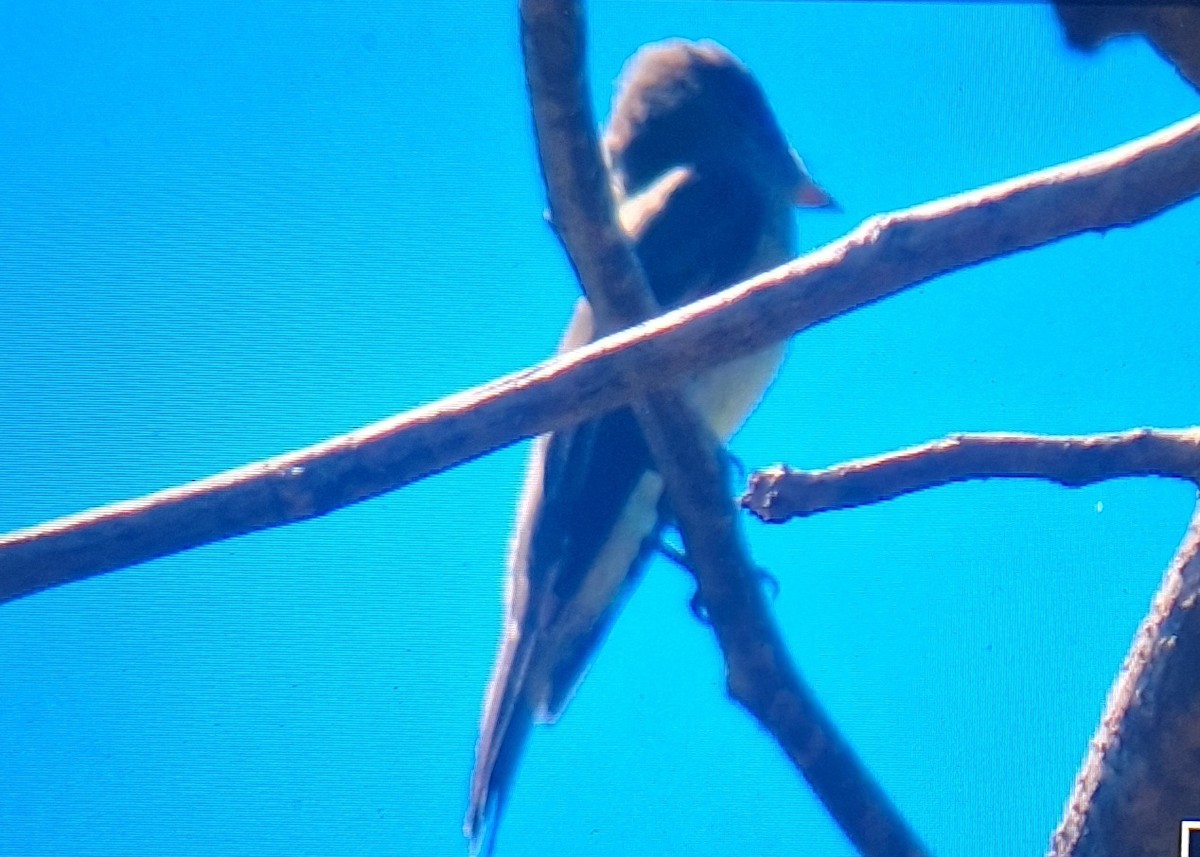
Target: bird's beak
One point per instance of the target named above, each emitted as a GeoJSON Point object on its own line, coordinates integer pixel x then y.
{"type": "Point", "coordinates": [809, 194]}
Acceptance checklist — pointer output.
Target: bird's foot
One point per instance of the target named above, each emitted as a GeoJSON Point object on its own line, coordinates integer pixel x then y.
{"type": "Point", "coordinates": [770, 581]}
{"type": "Point", "coordinates": [677, 556]}
{"type": "Point", "coordinates": [733, 463]}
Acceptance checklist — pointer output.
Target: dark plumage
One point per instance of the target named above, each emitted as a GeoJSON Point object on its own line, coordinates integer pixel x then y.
{"type": "Point", "coordinates": [706, 185]}
{"type": "Point", "coordinates": [695, 104]}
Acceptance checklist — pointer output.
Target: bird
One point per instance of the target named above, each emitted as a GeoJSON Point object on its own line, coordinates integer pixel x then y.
{"type": "Point", "coordinates": [706, 185]}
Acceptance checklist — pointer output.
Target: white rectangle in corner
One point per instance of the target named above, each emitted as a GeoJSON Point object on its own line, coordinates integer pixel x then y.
{"type": "Point", "coordinates": [1189, 838]}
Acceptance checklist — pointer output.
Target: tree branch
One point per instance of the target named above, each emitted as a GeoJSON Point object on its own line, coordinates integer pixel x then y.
{"type": "Point", "coordinates": [885, 255]}
{"type": "Point", "coordinates": [760, 673]}
{"type": "Point", "coordinates": [1139, 780]}
{"type": "Point", "coordinates": [582, 209]}
{"type": "Point", "coordinates": [779, 493]}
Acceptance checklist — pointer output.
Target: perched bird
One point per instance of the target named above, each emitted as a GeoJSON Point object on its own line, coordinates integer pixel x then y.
{"type": "Point", "coordinates": [706, 185]}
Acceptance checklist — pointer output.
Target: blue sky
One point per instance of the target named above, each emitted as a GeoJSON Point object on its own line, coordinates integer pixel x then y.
{"type": "Point", "coordinates": [230, 230]}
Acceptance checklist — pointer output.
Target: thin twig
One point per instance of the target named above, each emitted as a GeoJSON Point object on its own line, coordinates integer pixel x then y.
{"type": "Point", "coordinates": [779, 493]}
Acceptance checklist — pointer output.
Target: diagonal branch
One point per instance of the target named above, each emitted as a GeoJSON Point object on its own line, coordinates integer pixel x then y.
{"type": "Point", "coordinates": [885, 255]}
{"type": "Point", "coordinates": [1138, 782]}
{"type": "Point", "coordinates": [760, 673]}
{"type": "Point", "coordinates": [780, 493]}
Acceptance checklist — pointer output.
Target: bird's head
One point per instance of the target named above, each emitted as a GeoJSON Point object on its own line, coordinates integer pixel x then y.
{"type": "Point", "coordinates": [694, 104]}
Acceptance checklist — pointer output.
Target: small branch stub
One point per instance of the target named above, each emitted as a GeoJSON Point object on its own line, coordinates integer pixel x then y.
{"type": "Point", "coordinates": [780, 493]}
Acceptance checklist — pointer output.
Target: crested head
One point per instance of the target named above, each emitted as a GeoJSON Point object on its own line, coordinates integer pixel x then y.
{"type": "Point", "coordinates": [695, 104]}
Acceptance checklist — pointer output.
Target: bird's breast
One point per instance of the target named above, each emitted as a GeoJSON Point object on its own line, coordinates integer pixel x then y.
{"type": "Point", "coordinates": [726, 394]}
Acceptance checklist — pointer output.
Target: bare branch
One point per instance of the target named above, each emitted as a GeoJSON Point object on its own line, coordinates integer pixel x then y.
{"type": "Point", "coordinates": [779, 493]}
{"type": "Point", "coordinates": [760, 673]}
{"type": "Point", "coordinates": [308, 482]}
{"type": "Point", "coordinates": [582, 209]}
{"type": "Point", "coordinates": [884, 256]}
{"type": "Point", "coordinates": [1139, 779]}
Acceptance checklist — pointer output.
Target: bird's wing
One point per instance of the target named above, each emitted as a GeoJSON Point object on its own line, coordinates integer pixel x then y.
{"type": "Point", "coordinates": [703, 238]}
{"type": "Point", "coordinates": [568, 577]}
{"type": "Point", "coordinates": [507, 717]}
{"type": "Point", "coordinates": [577, 482]}
{"type": "Point", "coordinates": [692, 232]}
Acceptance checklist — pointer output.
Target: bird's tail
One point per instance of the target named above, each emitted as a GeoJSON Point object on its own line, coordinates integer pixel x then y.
{"type": "Point", "coordinates": [507, 720]}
